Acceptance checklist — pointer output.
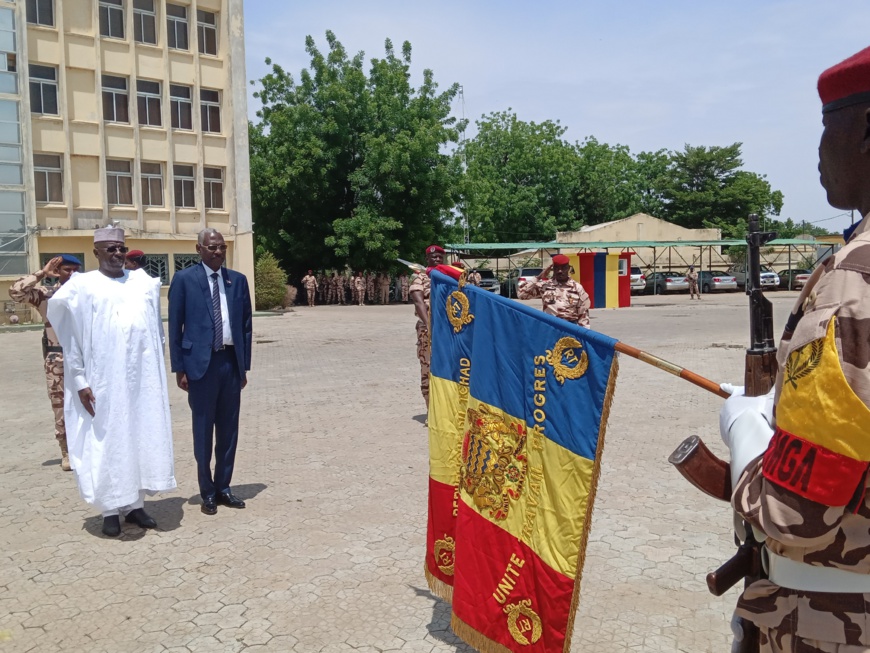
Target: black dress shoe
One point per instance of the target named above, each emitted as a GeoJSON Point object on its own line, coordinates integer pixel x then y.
{"type": "Point", "coordinates": [141, 518]}
{"type": "Point", "coordinates": [209, 507]}
{"type": "Point", "coordinates": [112, 526]}
{"type": "Point", "coordinates": [229, 499]}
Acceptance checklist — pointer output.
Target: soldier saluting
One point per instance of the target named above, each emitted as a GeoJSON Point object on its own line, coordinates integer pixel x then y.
{"type": "Point", "coordinates": [803, 475]}
{"type": "Point", "coordinates": [562, 296]}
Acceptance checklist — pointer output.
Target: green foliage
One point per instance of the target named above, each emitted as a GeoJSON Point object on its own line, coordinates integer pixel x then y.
{"type": "Point", "coordinates": [349, 167]}
{"type": "Point", "coordinates": [270, 282]}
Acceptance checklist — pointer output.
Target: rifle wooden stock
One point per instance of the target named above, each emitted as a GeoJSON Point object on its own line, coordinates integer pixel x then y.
{"type": "Point", "coordinates": [702, 468]}
{"type": "Point", "coordinates": [745, 563]}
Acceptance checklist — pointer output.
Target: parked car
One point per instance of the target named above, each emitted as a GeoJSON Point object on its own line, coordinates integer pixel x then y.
{"type": "Point", "coordinates": [794, 279]}
{"type": "Point", "coordinates": [488, 280]}
{"type": "Point", "coordinates": [638, 280]}
{"type": "Point", "coordinates": [769, 278]}
{"type": "Point", "coordinates": [715, 280]}
{"type": "Point", "coordinates": [509, 287]}
{"type": "Point", "coordinates": [658, 283]}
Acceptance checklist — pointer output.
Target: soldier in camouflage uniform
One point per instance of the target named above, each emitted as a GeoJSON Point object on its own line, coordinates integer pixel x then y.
{"type": "Point", "coordinates": [359, 289]}
{"type": "Point", "coordinates": [310, 283]}
{"type": "Point", "coordinates": [322, 288]}
{"type": "Point", "coordinates": [384, 287]}
{"type": "Point", "coordinates": [692, 278]}
{"type": "Point", "coordinates": [562, 296]}
{"type": "Point", "coordinates": [419, 292]}
{"type": "Point", "coordinates": [405, 286]}
{"type": "Point", "coordinates": [340, 285]}
{"type": "Point", "coordinates": [30, 290]}
{"type": "Point", "coordinates": [370, 287]}
{"type": "Point", "coordinates": [474, 278]}
{"type": "Point", "coordinates": [802, 476]}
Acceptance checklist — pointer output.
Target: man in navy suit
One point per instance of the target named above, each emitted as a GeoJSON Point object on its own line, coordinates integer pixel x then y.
{"type": "Point", "coordinates": [210, 349]}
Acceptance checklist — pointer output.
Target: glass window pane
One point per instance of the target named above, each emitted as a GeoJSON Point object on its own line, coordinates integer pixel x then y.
{"type": "Point", "coordinates": [121, 114]}
{"type": "Point", "coordinates": [12, 223]}
{"type": "Point", "coordinates": [11, 153]}
{"type": "Point", "coordinates": [7, 18]}
{"type": "Point", "coordinates": [145, 5]}
{"type": "Point", "coordinates": [8, 83]}
{"type": "Point", "coordinates": [10, 173]}
{"type": "Point", "coordinates": [12, 243]}
{"type": "Point", "coordinates": [182, 43]}
{"type": "Point", "coordinates": [46, 12]}
{"type": "Point", "coordinates": [154, 117]}
{"type": "Point", "coordinates": [11, 201]}
{"type": "Point", "coordinates": [104, 21]}
{"type": "Point", "coordinates": [211, 41]}
{"type": "Point", "coordinates": [43, 72]}
{"type": "Point", "coordinates": [13, 265]}
{"type": "Point", "coordinates": [148, 87]}
{"type": "Point", "coordinates": [49, 99]}
{"type": "Point", "coordinates": [55, 187]}
{"type": "Point", "coordinates": [125, 190]}
{"type": "Point", "coordinates": [183, 171]}
{"type": "Point", "coordinates": [9, 110]}
{"type": "Point", "coordinates": [108, 106]}
{"type": "Point", "coordinates": [7, 41]}
{"type": "Point", "coordinates": [113, 165]}
{"type": "Point", "coordinates": [176, 10]}
{"type": "Point", "coordinates": [214, 119]}
{"type": "Point", "coordinates": [9, 133]}
{"type": "Point", "coordinates": [110, 81]}
{"type": "Point", "coordinates": [150, 30]}
{"type": "Point", "coordinates": [150, 168]}
{"type": "Point", "coordinates": [178, 91]}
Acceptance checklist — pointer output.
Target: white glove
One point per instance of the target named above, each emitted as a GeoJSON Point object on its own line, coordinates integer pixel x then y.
{"type": "Point", "coordinates": [746, 426]}
{"type": "Point", "coordinates": [737, 631]}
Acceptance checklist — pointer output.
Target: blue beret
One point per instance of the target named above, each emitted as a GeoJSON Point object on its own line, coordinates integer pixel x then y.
{"type": "Point", "coordinates": [69, 259]}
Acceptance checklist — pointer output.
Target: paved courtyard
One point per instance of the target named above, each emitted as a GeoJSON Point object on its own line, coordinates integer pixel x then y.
{"type": "Point", "coordinates": [328, 555]}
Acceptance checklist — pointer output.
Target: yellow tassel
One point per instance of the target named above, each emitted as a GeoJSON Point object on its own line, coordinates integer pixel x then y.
{"type": "Point", "coordinates": [475, 639]}
{"type": "Point", "coordinates": [438, 587]}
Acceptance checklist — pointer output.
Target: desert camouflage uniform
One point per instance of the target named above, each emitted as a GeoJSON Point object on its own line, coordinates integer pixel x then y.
{"type": "Point", "coordinates": [384, 288]}
{"type": "Point", "coordinates": [359, 290]}
{"type": "Point", "coordinates": [474, 278]}
{"type": "Point", "coordinates": [340, 286]}
{"type": "Point", "coordinates": [404, 284]}
{"type": "Point", "coordinates": [322, 288]}
{"type": "Point", "coordinates": [567, 301]}
{"type": "Point", "coordinates": [692, 278]}
{"type": "Point", "coordinates": [420, 283]}
{"type": "Point", "coordinates": [29, 289]}
{"type": "Point", "coordinates": [370, 287]}
{"type": "Point", "coordinates": [311, 286]}
{"type": "Point", "coordinates": [796, 527]}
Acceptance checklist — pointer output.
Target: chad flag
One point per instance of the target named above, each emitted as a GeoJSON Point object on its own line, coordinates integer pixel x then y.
{"type": "Point", "coordinates": [532, 394]}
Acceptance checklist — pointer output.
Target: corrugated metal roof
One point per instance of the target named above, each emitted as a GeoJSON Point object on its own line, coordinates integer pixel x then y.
{"type": "Point", "coordinates": [626, 244]}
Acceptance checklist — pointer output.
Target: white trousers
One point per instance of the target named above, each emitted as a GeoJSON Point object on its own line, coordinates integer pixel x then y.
{"type": "Point", "coordinates": [140, 503]}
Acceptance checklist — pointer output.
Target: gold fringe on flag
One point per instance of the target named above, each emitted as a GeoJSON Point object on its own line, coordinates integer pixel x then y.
{"type": "Point", "coordinates": [590, 502]}
{"type": "Point", "coordinates": [475, 639]}
{"type": "Point", "coordinates": [438, 587]}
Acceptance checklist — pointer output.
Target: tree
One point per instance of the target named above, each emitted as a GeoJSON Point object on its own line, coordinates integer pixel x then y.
{"type": "Point", "coordinates": [349, 167]}
{"type": "Point", "coordinates": [521, 180]}
{"type": "Point", "coordinates": [704, 187]}
{"type": "Point", "coordinates": [270, 282]}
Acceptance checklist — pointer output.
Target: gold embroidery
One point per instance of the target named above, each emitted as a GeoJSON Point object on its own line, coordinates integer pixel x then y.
{"type": "Point", "coordinates": [564, 351]}
{"type": "Point", "coordinates": [521, 620]}
{"type": "Point", "coordinates": [796, 368]}
{"type": "Point", "coordinates": [458, 310]}
{"type": "Point", "coordinates": [494, 463]}
{"type": "Point", "coordinates": [444, 554]}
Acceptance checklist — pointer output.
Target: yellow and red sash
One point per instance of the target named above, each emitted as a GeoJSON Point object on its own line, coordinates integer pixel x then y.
{"type": "Point", "coordinates": [821, 447]}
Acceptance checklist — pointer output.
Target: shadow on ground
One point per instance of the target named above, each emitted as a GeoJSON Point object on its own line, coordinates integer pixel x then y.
{"type": "Point", "coordinates": [439, 625]}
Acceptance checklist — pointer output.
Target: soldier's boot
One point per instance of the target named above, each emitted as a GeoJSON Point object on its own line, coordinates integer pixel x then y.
{"type": "Point", "coordinates": [64, 456]}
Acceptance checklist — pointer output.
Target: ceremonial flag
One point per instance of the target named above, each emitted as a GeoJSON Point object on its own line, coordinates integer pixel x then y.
{"type": "Point", "coordinates": [532, 394]}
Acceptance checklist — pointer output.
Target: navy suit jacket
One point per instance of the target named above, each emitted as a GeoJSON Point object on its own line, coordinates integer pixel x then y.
{"type": "Point", "coordinates": [191, 327]}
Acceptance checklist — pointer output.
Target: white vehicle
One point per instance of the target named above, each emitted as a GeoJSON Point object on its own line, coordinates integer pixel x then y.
{"type": "Point", "coordinates": [769, 278]}
{"type": "Point", "coordinates": [638, 280]}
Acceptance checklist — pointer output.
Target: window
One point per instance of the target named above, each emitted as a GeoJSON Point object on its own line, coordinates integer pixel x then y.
{"type": "Point", "coordinates": [214, 187]}
{"type": "Point", "coordinates": [181, 106]}
{"type": "Point", "coordinates": [10, 148]}
{"type": "Point", "coordinates": [157, 266]}
{"type": "Point", "coordinates": [148, 98]}
{"type": "Point", "coordinates": [43, 89]}
{"type": "Point", "coordinates": [623, 267]}
{"type": "Point", "coordinates": [7, 30]}
{"type": "Point", "coordinates": [40, 12]}
{"type": "Point", "coordinates": [48, 178]}
{"type": "Point", "coordinates": [210, 108]}
{"type": "Point", "coordinates": [176, 27]}
{"type": "Point", "coordinates": [115, 99]}
{"type": "Point", "coordinates": [206, 31]}
{"type": "Point", "coordinates": [144, 22]}
{"type": "Point", "coordinates": [8, 78]}
{"type": "Point", "coordinates": [13, 233]}
{"type": "Point", "coordinates": [183, 261]}
{"type": "Point", "coordinates": [152, 184]}
{"type": "Point", "coordinates": [185, 185]}
{"type": "Point", "coordinates": [119, 180]}
{"type": "Point", "coordinates": [112, 19]}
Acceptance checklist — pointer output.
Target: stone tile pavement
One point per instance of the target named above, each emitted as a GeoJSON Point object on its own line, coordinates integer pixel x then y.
{"type": "Point", "coordinates": [328, 555]}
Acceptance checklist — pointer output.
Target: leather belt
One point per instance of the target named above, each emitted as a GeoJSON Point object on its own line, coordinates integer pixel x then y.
{"type": "Point", "coordinates": [54, 350]}
{"type": "Point", "coordinates": [224, 348]}
{"type": "Point", "coordinates": [785, 572]}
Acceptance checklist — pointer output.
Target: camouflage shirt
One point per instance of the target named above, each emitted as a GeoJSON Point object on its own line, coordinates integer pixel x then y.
{"type": "Point", "coordinates": [420, 283]}
{"type": "Point", "coordinates": [310, 282]}
{"type": "Point", "coordinates": [796, 527]}
{"type": "Point", "coordinates": [564, 300]}
{"type": "Point", "coordinates": [29, 290]}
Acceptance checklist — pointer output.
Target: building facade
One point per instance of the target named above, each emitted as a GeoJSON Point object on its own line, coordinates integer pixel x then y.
{"type": "Point", "coordinates": [124, 111]}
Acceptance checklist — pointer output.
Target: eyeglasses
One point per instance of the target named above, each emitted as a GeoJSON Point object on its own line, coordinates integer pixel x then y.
{"type": "Point", "coordinates": [215, 248]}
{"type": "Point", "coordinates": [111, 249]}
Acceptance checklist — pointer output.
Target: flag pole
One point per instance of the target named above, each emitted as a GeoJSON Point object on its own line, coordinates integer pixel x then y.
{"type": "Point", "coordinates": [671, 368]}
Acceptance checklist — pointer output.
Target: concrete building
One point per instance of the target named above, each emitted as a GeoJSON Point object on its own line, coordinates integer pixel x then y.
{"type": "Point", "coordinates": [127, 111]}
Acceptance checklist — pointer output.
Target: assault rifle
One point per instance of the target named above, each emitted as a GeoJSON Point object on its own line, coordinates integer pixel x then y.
{"type": "Point", "coordinates": [713, 476]}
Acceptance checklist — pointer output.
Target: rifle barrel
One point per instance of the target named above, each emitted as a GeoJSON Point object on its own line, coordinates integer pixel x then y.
{"type": "Point", "coordinates": [672, 368]}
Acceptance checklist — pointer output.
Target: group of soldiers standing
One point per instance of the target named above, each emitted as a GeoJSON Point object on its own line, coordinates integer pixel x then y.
{"type": "Point", "coordinates": [340, 288]}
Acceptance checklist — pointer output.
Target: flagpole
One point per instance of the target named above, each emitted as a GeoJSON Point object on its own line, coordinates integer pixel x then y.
{"type": "Point", "coordinates": [671, 368]}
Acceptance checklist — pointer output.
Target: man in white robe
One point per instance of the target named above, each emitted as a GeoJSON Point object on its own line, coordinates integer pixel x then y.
{"type": "Point", "coordinates": [116, 403]}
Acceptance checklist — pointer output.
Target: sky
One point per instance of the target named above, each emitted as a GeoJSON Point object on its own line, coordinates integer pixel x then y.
{"type": "Point", "coordinates": [642, 73]}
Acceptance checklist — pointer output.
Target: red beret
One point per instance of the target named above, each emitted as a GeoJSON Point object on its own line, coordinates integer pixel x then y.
{"type": "Point", "coordinates": [560, 259]}
{"type": "Point", "coordinates": [847, 83]}
{"type": "Point", "coordinates": [135, 253]}
{"type": "Point", "coordinates": [434, 248]}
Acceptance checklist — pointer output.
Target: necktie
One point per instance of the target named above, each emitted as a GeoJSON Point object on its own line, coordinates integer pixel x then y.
{"type": "Point", "coordinates": [218, 341]}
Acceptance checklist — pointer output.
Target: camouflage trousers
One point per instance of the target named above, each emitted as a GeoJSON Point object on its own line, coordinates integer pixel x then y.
{"type": "Point", "coordinates": [405, 290]}
{"type": "Point", "coordinates": [773, 642]}
{"type": "Point", "coordinates": [54, 381]}
{"type": "Point", "coordinates": [693, 289]}
{"type": "Point", "coordinates": [385, 295]}
{"type": "Point", "coordinates": [423, 353]}
{"type": "Point", "coordinates": [310, 293]}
